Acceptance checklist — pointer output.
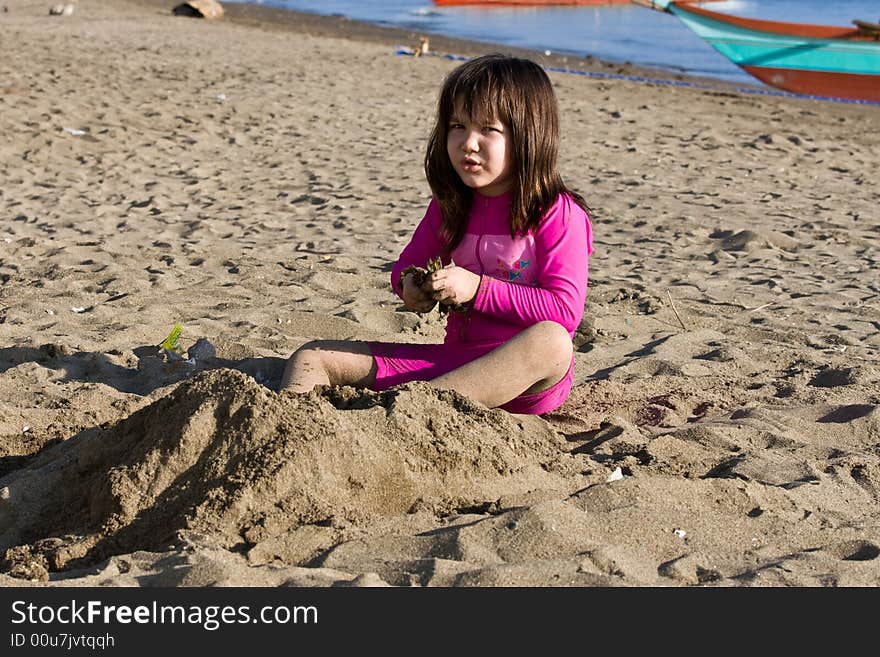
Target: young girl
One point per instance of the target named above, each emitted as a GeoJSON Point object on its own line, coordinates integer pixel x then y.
{"type": "Point", "coordinates": [515, 245]}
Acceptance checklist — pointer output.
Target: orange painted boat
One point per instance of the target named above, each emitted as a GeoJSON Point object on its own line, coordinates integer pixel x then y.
{"type": "Point", "coordinates": [531, 3]}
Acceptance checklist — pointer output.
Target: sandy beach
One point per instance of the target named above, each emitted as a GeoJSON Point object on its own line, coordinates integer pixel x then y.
{"type": "Point", "coordinates": [254, 179]}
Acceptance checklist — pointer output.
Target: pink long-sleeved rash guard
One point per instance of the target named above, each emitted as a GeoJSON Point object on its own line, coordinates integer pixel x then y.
{"type": "Point", "coordinates": [525, 279]}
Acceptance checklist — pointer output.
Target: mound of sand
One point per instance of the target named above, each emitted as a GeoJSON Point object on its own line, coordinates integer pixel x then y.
{"type": "Point", "coordinates": [224, 458]}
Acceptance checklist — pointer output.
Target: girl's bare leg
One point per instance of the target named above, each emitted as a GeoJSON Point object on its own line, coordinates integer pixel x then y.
{"type": "Point", "coordinates": [333, 362]}
{"type": "Point", "coordinates": [531, 361]}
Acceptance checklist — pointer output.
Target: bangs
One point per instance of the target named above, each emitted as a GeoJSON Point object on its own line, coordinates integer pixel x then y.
{"type": "Point", "coordinates": [482, 100]}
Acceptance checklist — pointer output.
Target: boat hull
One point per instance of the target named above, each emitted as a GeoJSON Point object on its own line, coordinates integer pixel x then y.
{"type": "Point", "coordinates": [819, 83]}
{"type": "Point", "coordinates": [804, 59]}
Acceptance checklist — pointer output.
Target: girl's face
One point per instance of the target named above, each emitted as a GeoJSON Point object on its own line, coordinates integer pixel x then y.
{"type": "Point", "coordinates": [481, 153]}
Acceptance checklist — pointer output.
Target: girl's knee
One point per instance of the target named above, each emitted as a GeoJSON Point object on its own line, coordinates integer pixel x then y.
{"type": "Point", "coordinates": [551, 343]}
{"type": "Point", "coordinates": [555, 335]}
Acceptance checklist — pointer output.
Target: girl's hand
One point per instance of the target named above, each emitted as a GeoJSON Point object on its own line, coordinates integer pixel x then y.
{"type": "Point", "coordinates": [415, 298]}
{"type": "Point", "coordinates": [453, 285]}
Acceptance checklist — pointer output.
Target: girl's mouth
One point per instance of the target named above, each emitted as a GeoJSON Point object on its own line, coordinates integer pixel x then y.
{"type": "Point", "coordinates": [470, 164]}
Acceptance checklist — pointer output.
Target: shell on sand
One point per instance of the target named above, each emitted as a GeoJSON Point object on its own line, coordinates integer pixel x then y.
{"type": "Point", "coordinates": [200, 8]}
{"type": "Point", "coordinates": [62, 10]}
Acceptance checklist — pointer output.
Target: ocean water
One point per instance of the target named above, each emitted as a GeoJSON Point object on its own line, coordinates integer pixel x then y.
{"type": "Point", "coordinates": [620, 33]}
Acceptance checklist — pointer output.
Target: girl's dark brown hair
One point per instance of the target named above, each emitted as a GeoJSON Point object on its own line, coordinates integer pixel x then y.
{"type": "Point", "coordinates": [518, 93]}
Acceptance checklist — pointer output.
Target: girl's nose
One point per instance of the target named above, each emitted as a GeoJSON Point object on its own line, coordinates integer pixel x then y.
{"type": "Point", "coordinates": [471, 143]}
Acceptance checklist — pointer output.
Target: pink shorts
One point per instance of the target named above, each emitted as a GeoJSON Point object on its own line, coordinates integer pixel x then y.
{"type": "Point", "coordinates": [398, 363]}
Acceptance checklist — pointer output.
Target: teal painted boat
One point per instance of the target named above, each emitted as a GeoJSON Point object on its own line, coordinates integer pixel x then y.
{"type": "Point", "coordinates": [818, 60]}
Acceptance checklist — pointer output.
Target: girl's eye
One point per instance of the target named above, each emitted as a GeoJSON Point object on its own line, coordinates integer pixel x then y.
{"type": "Point", "coordinates": [491, 128]}
{"type": "Point", "coordinates": [455, 126]}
